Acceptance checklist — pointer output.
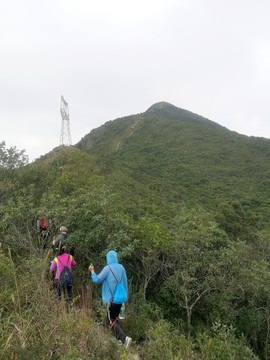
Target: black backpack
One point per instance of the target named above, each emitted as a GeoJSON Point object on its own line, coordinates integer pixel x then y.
{"type": "Point", "coordinates": [65, 277]}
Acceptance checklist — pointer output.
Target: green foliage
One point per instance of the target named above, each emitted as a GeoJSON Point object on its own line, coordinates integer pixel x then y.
{"type": "Point", "coordinates": [18, 226]}
{"type": "Point", "coordinates": [167, 157]}
{"type": "Point", "coordinates": [197, 263]}
{"type": "Point", "coordinates": [237, 222]}
{"type": "Point", "coordinates": [7, 285]}
{"type": "Point", "coordinates": [149, 247]}
{"type": "Point", "coordinates": [157, 188]}
{"type": "Point", "coordinates": [140, 316]}
{"type": "Point", "coordinates": [164, 342]}
{"type": "Point", "coordinates": [224, 345]}
{"type": "Point", "coordinates": [37, 326]}
{"type": "Point", "coordinates": [12, 158]}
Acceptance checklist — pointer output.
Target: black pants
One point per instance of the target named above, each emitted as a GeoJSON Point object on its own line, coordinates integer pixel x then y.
{"type": "Point", "coordinates": [65, 291]}
{"type": "Point", "coordinates": [113, 313]}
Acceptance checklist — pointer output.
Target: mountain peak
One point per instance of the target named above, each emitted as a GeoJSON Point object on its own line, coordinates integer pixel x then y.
{"type": "Point", "coordinates": [169, 111]}
{"type": "Point", "coordinates": [161, 106]}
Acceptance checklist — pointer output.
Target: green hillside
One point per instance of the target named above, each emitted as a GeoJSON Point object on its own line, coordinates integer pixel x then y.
{"type": "Point", "coordinates": [185, 158]}
{"type": "Point", "coordinates": [183, 201]}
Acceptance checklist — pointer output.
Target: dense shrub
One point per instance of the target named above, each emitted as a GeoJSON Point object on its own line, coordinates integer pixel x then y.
{"type": "Point", "coordinates": [223, 344]}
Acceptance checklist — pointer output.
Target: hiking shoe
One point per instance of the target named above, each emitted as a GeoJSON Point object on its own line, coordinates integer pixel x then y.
{"type": "Point", "coordinates": [128, 342]}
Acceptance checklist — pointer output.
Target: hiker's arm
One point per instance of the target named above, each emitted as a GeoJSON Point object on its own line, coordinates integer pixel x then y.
{"type": "Point", "coordinates": [53, 266]}
{"type": "Point", "coordinates": [73, 262]}
{"type": "Point", "coordinates": [57, 240]}
{"type": "Point", "coordinates": [101, 276]}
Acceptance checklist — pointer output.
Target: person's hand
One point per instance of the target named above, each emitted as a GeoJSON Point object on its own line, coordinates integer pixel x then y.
{"type": "Point", "coordinates": [91, 268]}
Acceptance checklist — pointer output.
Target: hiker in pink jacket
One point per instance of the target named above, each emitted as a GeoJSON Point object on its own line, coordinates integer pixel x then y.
{"type": "Point", "coordinates": [63, 280]}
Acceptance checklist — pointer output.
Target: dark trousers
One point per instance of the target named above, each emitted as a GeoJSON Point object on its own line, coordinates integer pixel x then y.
{"type": "Point", "coordinates": [65, 291]}
{"type": "Point", "coordinates": [113, 313]}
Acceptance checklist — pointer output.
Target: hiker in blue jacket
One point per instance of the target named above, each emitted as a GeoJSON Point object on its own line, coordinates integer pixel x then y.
{"type": "Point", "coordinates": [110, 275]}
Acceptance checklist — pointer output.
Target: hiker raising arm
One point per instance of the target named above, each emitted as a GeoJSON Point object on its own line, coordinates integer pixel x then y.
{"type": "Point", "coordinates": [113, 276]}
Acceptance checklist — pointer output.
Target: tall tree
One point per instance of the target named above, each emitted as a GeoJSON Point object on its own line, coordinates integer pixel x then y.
{"type": "Point", "coordinates": [197, 267]}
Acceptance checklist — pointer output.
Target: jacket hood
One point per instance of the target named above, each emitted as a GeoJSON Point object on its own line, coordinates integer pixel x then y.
{"type": "Point", "coordinates": [112, 257]}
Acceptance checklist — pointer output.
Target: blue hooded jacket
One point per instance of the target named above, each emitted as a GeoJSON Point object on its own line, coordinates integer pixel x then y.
{"type": "Point", "coordinates": [106, 276]}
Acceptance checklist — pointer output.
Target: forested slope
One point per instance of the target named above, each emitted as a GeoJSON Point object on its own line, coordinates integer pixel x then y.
{"type": "Point", "coordinates": [184, 158]}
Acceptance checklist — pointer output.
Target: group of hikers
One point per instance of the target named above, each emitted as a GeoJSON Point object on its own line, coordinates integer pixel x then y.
{"type": "Point", "coordinates": [113, 278]}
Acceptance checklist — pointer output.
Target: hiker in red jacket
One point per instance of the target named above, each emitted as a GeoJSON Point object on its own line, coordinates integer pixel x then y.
{"type": "Point", "coordinates": [43, 226]}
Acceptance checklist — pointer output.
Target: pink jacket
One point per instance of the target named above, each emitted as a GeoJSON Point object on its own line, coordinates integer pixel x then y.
{"type": "Point", "coordinates": [66, 259]}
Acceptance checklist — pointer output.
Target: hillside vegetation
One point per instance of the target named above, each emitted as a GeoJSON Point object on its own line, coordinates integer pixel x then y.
{"type": "Point", "coordinates": [184, 202]}
{"type": "Point", "coordinates": [182, 158]}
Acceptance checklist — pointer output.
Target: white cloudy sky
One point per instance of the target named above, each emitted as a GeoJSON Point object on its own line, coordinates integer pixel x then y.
{"type": "Point", "coordinates": [112, 58]}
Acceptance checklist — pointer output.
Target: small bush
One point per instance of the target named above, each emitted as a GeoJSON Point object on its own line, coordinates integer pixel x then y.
{"type": "Point", "coordinates": [165, 343]}
{"type": "Point", "coordinates": [140, 316]}
{"type": "Point", "coordinates": [224, 345]}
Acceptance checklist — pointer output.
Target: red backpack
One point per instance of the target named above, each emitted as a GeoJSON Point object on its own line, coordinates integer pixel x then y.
{"type": "Point", "coordinates": [44, 223]}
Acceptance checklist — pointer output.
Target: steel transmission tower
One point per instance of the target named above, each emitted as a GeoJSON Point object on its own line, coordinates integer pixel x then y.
{"type": "Point", "coordinates": [65, 136]}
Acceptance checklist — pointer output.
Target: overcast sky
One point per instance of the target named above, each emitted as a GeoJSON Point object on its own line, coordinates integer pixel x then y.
{"type": "Point", "coordinates": [112, 58]}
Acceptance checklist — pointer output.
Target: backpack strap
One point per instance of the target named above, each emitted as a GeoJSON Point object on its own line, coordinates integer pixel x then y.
{"type": "Point", "coordinates": [116, 281]}
{"type": "Point", "coordinates": [61, 261]}
{"type": "Point", "coordinates": [109, 285]}
{"type": "Point", "coordinates": [68, 260]}
{"type": "Point", "coordinates": [114, 275]}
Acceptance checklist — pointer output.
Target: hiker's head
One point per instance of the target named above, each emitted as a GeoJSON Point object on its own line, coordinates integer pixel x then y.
{"type": "Point", "coordinates": [63, 229]}
{"type": "Point", "coordinates": [112, 257]}
{"type": "Point", "coordinates": [61, 250]}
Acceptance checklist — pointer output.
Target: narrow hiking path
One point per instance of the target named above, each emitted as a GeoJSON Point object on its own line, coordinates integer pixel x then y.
{"type": "Point", "coordinates": [128, 132]}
